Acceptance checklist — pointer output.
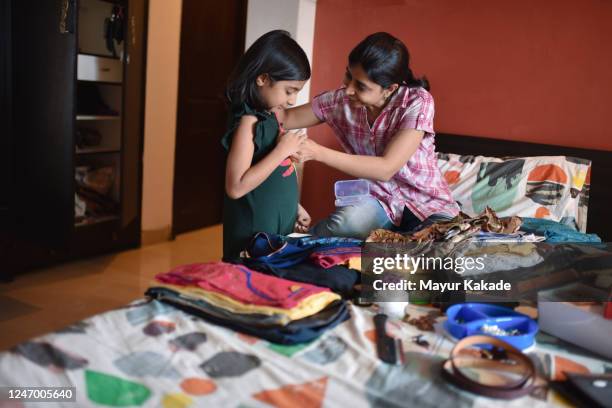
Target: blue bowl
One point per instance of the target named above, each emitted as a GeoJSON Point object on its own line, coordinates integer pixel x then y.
{"type": "Point", "coordinates": [468, 319]}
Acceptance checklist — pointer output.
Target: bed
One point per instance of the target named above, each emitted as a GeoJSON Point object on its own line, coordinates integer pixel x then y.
{"type": "Point", "coordinates": [149, 354]}
{"type": "Point", "coordinates": [600, 195]}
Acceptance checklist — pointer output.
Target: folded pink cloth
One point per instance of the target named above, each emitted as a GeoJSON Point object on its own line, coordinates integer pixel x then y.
{"type": "Point", "coordinates": [334, 256]}
{"type": "Point", "coordinates": [241, 283]}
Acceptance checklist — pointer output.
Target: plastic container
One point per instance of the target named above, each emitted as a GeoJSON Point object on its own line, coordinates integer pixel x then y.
{"type": "Point", "coordinates": [468, 319]}
{"type": "Point", "coordinates": [351, 191]}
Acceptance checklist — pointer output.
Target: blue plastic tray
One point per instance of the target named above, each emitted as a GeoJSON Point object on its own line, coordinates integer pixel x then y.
{"type": "Point", "coordinates": [467, 319]}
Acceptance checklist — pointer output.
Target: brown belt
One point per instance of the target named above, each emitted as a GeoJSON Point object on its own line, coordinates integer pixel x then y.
{"type": "Point", "coordinates": [503, 357]}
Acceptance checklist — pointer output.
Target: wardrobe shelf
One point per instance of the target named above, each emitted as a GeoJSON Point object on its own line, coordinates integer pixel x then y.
{"type": "Point", "coordinates": [98, 117]}
{"type": "Point", "coordinates": [96, 150]}
{"type": "Point", "coordinates": [95, 220]}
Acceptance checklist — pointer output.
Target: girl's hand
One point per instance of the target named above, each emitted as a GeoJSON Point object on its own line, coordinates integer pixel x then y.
{"type": "Point", "coordinates": [291, 141]}
{"type": "Point", "coordinates": [309, 150]}
{"type": "Point", "coordinates": [302, 221]}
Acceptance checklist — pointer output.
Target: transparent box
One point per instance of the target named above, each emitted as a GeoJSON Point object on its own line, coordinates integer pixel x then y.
{"type": "Point", "coordinates": [351, 191]}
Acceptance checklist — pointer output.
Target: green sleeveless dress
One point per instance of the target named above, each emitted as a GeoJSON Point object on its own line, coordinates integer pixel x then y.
{"type": "Point", "coordinates": [272, 206]}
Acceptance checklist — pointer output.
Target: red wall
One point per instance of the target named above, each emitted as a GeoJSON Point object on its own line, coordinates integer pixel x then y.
{"type": "Point", "coordinates": [528, 70]}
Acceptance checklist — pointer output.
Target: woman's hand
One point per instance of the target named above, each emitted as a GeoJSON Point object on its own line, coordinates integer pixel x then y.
{"type": "Point", "coordinates": [309, 150]}
{"type": "Point", "coordinates": [380, 168]}
{"type": "Point", "coordinates": [302, 220]}
{"type": "Point", "coordinates": [290, 142]}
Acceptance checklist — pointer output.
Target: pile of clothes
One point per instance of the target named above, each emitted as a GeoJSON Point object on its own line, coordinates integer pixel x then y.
{"type": "Point", "coordinates": [290, 290]}
{"type": "Point", "coordinates": [462, 236]}
{"type": "Point", "coordinates": [286, 290]}
{"type": "Point", "coordinates": [533, 254]}
{"type": "Point", "coordinates": [455, 230]}
{"type": "Point", "coordinates": [328, 262]}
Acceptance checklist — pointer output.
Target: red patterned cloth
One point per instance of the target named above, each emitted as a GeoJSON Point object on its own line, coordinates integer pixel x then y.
{"type": "Point", "coordinates": [335, 256]}
{"type": "Point", "coordinates": [241, 283]}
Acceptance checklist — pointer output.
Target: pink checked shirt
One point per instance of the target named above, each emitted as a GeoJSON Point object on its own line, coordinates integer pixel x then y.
{"type": "Point", "coordinates": [418, 185]}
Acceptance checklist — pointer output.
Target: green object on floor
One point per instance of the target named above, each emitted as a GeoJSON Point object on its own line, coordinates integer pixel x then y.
{"type": "Point", "coordinates": [288, 350]}
{"type": "Point", "coordinates": [113, 391]}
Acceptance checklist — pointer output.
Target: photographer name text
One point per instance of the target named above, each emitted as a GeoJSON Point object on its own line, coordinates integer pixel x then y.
{"type": "Point", "coordinates": [429, 285]}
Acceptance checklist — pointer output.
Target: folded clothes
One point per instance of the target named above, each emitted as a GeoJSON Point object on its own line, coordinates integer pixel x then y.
{"type": "Point", "coordinates": [326, 258]}
{"type": "Point", "coordinates": [242, 284]}
{"type": "Point", "coordinates": [313, 242]}
{"type": "Point", "coordinates": [322, 318]}
{"type": "Point", "coordinates": [556, 232]}
{"type": "Point", "coordinates": [165, 293]}
{"type": "Point", "coordinates": [519, 236]}
{"type": "Point", "coordinates": [282, 252]}
{"type": "Point", "coordinates": [502, 257]}
{"type": "Point", "coordinates": [298, 331]}
{"type": "Point", "coordinates": [355, 263]}
{"type": "Point", "coordinates": [521, 249]}
{"type": "Point", "coordinates": [339, 279]}
{"type": "Point", "coordinates": [307, 307]}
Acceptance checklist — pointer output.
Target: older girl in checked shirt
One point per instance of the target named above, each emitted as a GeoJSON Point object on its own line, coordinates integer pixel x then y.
{"type": "Point", "coordinates": [383, 118]}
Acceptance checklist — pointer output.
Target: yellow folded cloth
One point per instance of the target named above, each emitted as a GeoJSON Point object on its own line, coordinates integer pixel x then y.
{"type": "Point", "coordinates": [307, 307]}
{"type": "Point", "coordinates": [355, 263]}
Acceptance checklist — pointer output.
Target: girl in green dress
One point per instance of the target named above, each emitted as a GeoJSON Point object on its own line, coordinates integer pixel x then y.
{"type": "Point", "coordinates": [261, 190]}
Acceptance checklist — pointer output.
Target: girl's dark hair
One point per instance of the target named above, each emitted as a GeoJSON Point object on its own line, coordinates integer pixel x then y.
{"type": "Point", "coordinates": [386, 61]}
{"type": "Point", "coordinates": [274, 53]}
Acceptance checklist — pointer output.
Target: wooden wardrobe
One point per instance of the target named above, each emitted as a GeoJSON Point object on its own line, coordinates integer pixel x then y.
{"type": "Point", "coordinates": [72, 75]}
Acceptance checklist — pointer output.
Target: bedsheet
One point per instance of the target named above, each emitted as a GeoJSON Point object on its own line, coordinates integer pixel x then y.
{"type": "Point", "coordinates": [149, 354]}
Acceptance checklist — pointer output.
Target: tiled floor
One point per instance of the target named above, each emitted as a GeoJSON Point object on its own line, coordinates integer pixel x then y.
{"type": "Point", "coordinates": [48, 299]}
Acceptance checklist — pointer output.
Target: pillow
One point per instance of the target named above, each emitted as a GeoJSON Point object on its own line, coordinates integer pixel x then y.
{"type": "Point", "coordinates": [549, 187]}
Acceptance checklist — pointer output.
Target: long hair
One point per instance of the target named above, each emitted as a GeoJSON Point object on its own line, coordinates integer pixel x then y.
{"type": "Point", "coordinates": [275, 54]}
{"type": "Point", "coordinates": [386, 61]}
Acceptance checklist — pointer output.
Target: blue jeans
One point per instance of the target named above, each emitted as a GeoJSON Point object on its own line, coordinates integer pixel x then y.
{"type": "Point", "coordinates": [358, 220]}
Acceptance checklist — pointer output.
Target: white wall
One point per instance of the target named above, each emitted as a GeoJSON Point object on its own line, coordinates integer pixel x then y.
{"type": "Point", "coordinates": [295, 16]}
{"type": "Point", "coordinates": [266, 15]}
{"type": "Point", "coordinates": [304, 35]}
{"type": "Point", "coordinates": [160, 118]}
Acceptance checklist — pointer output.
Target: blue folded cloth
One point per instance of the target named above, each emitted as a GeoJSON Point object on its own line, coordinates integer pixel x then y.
{"type": "Point", "coordinates": [287, 258]}
{"type": "Point", "coordinates": [281, 252]}
{"type": "Point", "coordinates": [555, 231]}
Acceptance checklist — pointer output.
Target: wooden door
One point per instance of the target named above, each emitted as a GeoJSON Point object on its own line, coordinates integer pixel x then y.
{"type": "Point", "coordinates": [43, 92]}
{"type": "Point", "coordinates": [212, 40]}
{"type": "Point", "coordinates": [133, 121]}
